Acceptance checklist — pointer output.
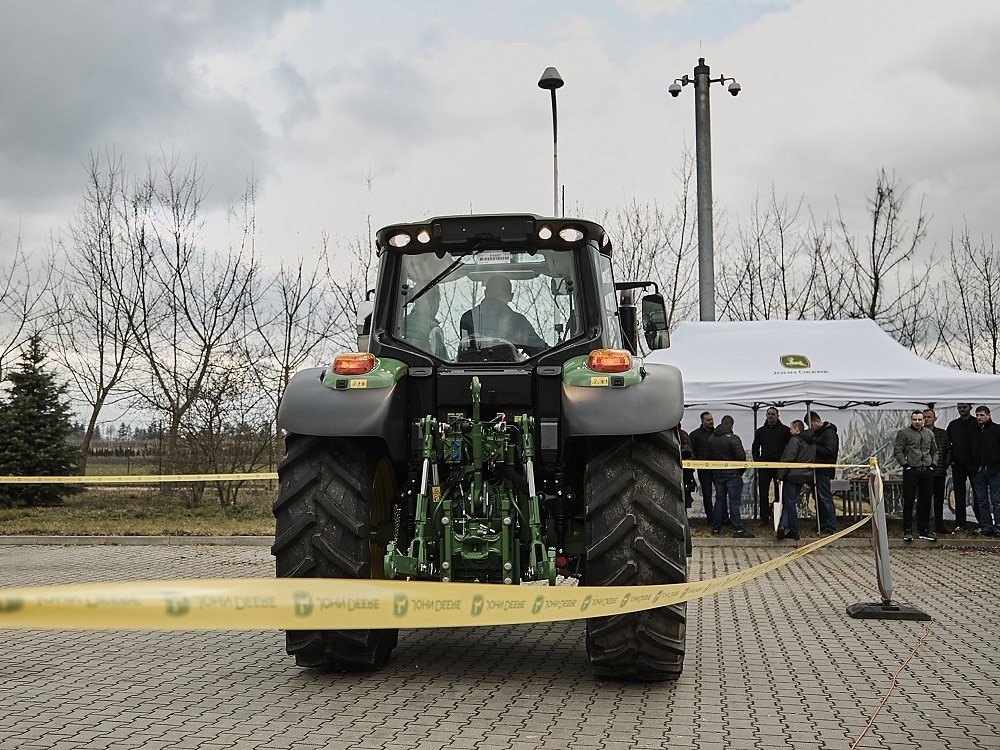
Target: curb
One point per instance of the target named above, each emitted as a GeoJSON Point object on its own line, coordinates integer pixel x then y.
{"type": "Point", "coordinates": [52, 540]}
{"type": "Point", "coordinates": [943, 542]}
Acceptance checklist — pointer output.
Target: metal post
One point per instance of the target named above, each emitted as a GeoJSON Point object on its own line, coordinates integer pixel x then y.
{"type": "Point", "coordinates": [703, 163]}
{"type": "Point", "coordinates": [551, 80]}
{"type": "Point", "coordinates": [555, 157]}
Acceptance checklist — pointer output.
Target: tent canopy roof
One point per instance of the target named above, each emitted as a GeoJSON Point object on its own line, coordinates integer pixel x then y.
{"type": "Point", "coordinates": [833, 363]}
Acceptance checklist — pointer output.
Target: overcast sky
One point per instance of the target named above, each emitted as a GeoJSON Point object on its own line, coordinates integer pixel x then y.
{"type": "Point", "coordinates": [400, 110]}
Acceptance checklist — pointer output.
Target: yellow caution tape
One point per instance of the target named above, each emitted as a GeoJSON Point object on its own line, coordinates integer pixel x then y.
{"type": "Point", "coordinates": [692, 464]}
{"type": "Point", "coordinates": [271, 475]}
{"type": "Point", "coordinates": [142, 478]}
{"type": "Point", "coordinates": [325, 603]}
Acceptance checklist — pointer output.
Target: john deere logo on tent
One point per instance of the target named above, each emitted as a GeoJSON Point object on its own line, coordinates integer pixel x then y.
{"type": "Point", "coordinates": [795, 361]}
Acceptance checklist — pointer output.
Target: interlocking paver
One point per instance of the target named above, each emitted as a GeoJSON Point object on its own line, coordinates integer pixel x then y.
{"type": "Point", "coordinates": [774, 663]}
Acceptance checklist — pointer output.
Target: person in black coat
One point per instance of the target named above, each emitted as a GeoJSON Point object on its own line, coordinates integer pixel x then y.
{"type": "Point", "coordinates": [769, 443]}
{"type": "Point", "coordinates": [827, 450]}
{"type": "Point", "coordinates": [725, 445]}
{"type": "Point", "coordinates": [699, 447]}
{"type": "Point", "coordinates": [985, 453]}
{"type": "Point", "coordinates": [960, 433]}
{"type": "Point", "coordinates": [941, 469]}
{"type": "Point", "coordinates": [801, 449]}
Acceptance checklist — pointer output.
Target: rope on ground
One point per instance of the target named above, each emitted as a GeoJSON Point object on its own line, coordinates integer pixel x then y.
{"type": "Point", "coordinates": [892, 685]}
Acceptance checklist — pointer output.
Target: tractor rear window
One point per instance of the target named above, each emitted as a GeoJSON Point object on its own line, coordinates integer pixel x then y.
{"type": "Point", "coordinates": [488, 306]}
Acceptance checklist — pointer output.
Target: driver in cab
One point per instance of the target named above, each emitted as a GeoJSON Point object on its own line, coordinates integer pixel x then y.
{"type": "Point", "coordinates": [494, 318]}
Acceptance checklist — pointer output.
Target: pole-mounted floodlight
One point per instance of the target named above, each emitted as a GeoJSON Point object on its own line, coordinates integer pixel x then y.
{"type": "Point", "coordinates": [703, 160]}
{"type": "Point", "coordinates": [551, 80]}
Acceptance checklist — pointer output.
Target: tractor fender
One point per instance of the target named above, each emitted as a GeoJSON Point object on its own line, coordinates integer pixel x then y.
{"type": "Point", "coordinates": [310, 408]}
{"type": "Point", "coordinates": [654, 404]}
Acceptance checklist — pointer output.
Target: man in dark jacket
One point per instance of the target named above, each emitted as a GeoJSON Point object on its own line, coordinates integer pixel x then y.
{"type": "Point", "coordinates": [985, 452]}
{"type": "Point", "coordinates": [940, 473]}
{"type": "Point", "coordinates": [959, 434]}
{"type": "Point", "coordinates": [769, 443]}
{"type": "Point", "coordinates": [494, 318]}
{"type": "Point", "coordinates": [724, 445]}
{"type": "Point", "coordinates": [827, 450]}
{"type": "Point", "coordinates": [915, 449]}
{"type": "Point", "coordinates": [699, 447]}
{"type": "Point", "coordinates": [800, 450]}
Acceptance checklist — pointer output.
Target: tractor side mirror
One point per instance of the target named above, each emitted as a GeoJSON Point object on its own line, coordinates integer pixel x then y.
{"type": "Point", "coordinates": [654, 322]}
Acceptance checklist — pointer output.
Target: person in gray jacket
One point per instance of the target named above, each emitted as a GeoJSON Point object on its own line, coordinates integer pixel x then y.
{"type": "Point", "coordinates": [915, 449]}
{"type": "Point", "coordinates": [800, 450]}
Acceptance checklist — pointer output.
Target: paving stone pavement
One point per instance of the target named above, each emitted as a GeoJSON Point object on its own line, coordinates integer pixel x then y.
{"type": "Point", "coordinates": [775, 663]}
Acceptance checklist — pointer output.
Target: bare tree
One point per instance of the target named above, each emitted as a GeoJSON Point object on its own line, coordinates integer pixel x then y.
{"type": "Point", "coordinates": [192, 300]}
{"type": "Point", "coordinates": [968, 318]}
{"type": "Point", "coordinates": [828, 300]}
{"type": "Point", "coordinates": [877, 275]}
{"type": "Point", "coordinates": [768, 273]}
{"type": "Point", "coordinates": [23, 299]}
{"type": "Point", "coordinates": [96, 300]}
{"type": "Point", "coordinates": [227, 430]}
{"type": "Point", "coordinates": [782, 269]}
{"type": "Point", "coordinates": [351, 288]}
{"type": "Point", "coordinates": [650, 244]}
{"type": "Point", "coordinates": [291, 319]}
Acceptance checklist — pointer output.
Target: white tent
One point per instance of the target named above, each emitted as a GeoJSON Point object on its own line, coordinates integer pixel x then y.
{"type": "Point", "coordinates": [831, 363]}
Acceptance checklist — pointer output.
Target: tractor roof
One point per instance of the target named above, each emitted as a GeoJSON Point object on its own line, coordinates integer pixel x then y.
{"type": "Point", "coordinates": [479, 231]}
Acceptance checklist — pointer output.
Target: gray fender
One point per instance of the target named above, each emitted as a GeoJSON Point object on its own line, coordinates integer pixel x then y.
{"type": "Point", "coordinates": [310, 408]}
{"type": "Point", "coordinates": [653, 405]}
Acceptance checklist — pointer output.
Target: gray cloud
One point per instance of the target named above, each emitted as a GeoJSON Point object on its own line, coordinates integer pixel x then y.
{"type": "Point", "coordinates": [84, 76]}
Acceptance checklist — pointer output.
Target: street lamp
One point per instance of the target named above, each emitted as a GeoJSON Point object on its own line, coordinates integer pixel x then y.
{"type": "Point", "coordinates": [551, 80]}
{"type": "Point", "coordinates": [703, 164]}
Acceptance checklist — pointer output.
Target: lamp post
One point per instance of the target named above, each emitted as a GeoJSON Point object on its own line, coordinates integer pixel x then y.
{"type": "Point", "coordinates": [703, 165]}
{"type": "Point", "coordinates": [551, 80]}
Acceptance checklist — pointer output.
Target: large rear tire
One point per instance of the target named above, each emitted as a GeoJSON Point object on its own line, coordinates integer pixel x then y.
{"type": "Point", "coordinates": [332, 493]}
{"type": "Point", "coordinates": [637, 532]}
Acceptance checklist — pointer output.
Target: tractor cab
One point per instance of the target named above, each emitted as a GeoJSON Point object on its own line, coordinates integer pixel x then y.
{"type": "Point", "coordinates": [496, 289]}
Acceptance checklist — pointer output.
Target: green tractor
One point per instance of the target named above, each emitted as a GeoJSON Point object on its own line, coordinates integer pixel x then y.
{"type": "Point", "coordinates": [494, 426]}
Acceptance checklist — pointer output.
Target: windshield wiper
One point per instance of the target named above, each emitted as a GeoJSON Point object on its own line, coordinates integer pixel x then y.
{"type": "Point", "coordinates": [441, 276]}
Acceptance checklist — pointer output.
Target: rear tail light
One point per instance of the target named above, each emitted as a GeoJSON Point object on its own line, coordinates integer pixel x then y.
{"type": "Point", "coordinates": [609, 360]}
{"type": "Point", "coordinates": [354, 363]}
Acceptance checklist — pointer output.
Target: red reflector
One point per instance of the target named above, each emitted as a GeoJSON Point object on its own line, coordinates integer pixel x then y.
{"type": "Point", "coordinates": [609, 360]}
{"type": "Point", "coordinates": [561, 561]}
{"type": "Point", "coordinates": [354, 363]}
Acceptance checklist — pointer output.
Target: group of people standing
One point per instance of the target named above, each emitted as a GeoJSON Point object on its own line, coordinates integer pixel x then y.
{"type": "Point", "coordinates": [970, 447]}
{"type": "Point", "coordinates": [773, 442]}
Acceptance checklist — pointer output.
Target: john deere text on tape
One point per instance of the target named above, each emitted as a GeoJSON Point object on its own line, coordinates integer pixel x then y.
{"type": "Point", "coordinates": [324, 603]}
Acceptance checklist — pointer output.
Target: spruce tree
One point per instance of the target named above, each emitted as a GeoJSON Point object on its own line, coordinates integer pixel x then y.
{"type": "Point", "coordinates": [34, 430]}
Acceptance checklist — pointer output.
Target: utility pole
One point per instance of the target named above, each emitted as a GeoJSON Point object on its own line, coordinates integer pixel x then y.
{"type": "Point", "coordinates": [703, 164]}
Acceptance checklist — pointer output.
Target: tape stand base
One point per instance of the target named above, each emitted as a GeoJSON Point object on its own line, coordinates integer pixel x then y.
{"type": "Point", "coordinates": [886, 611]}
